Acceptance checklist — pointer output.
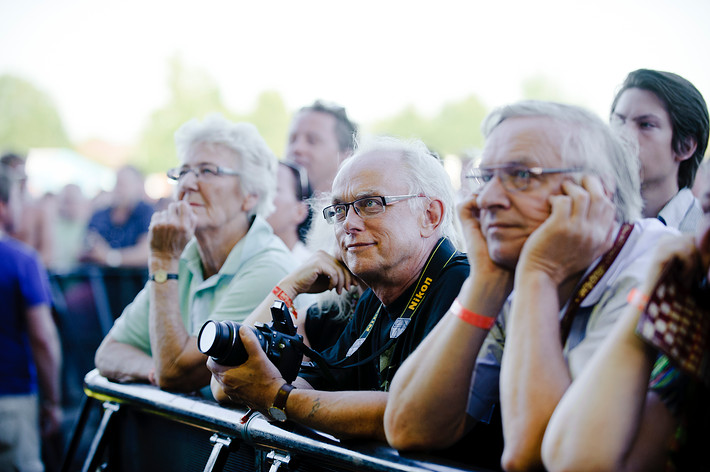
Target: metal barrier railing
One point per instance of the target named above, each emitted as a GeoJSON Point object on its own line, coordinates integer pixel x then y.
{"type": "Point", "coordinates": [186, 428]}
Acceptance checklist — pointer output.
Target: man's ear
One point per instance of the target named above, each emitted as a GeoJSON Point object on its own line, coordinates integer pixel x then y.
{"type": "Point", "coordinates": [687, 148]}
{"type": "Point", "coordinates": [432, 217]}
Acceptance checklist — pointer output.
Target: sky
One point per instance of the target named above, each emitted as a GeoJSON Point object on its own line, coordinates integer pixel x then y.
{"type": "Point", "coordinates": [105, 64]}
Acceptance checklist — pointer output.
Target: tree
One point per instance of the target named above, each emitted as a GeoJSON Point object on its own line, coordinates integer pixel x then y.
{"type": "Point", "coordinates": [408, 123]}
{"type": "Point", "coordinates": [29, 118]}
{"type": "Point", "coordinates": [454, 129]}
{"type": "Point", "coordinates": [541, 87]}
{"type": "Point", "coordinates": [194, 94]}
{"type": "Point", "coordinates": [272, 120]}
{"type": "Point", "coordinates": [457, 127]}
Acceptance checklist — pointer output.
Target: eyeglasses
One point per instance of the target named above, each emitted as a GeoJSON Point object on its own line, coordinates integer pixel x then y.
{"type": "Point", "coordinates": [202, 171]}
{"type": "Point", "coordinates": [514, 177]}
{"type": "Point", "coordinates": [364, 207]}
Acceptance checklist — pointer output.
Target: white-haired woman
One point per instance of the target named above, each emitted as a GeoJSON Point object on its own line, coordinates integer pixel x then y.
{"type": "Point", "coordinates": [212, 256]}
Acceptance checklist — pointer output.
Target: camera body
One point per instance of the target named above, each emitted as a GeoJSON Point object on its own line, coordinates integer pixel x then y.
{"type": "Point", "coordinates": [220, 340]}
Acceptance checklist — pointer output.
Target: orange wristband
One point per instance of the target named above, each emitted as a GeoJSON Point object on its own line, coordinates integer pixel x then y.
{"type": "Point", "coordinates": [283, 296]}
{"type": "Point", "coordinates": [474, 319]}
{"type": "Point", "coordinates": [637, 299]}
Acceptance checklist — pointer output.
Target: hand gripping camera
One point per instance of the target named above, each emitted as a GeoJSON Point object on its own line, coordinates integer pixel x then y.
{"type": "Point", "coordinates": [283, 347]}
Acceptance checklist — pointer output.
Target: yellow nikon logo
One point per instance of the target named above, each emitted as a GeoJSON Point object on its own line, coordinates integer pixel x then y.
{"type": "Point", "coordinates": [420, 294]}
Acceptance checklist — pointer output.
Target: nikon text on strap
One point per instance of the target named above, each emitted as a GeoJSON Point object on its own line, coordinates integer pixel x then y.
{"type": "Point", "coordinates": [442, 254]}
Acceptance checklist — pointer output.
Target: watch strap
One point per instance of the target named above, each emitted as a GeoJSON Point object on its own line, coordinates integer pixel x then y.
{"type": "Point", "coordinates": [282, 396]}
{"type": "Point", "coordinates": [160, 276]}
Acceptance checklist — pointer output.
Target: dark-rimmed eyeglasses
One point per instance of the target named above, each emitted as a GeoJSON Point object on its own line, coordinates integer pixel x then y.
{"type": "Point", "coordinates": [365, 207]}
{"type": "Point", "coordinates": [514, 177]}
{"type": "Point", "coordinates": [202, 171]}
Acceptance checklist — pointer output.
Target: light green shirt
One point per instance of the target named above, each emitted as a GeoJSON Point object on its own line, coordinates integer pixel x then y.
{"type": "Point", "coordinates": [254, 266]}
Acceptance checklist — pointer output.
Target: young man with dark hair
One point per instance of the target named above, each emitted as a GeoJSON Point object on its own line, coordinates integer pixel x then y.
{"type": "Point", "coordinates": [668, 118]}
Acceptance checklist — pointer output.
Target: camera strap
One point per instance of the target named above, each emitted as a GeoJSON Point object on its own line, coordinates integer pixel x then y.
{"type": "Point", "coordinates": [439, 258]}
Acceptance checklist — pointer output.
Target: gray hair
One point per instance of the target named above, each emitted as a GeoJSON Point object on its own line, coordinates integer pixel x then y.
{"type": "Point", "coordinates": [423, 173]}
{"type": "Point", "coordinates": [258, 163]}
{"type": "Point", "coordinates": [590, 143]}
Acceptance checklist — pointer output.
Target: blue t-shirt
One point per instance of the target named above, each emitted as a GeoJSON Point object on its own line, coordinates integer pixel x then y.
{"type": "Point", "coordinates": [128, 233]}
{"type": "Point", "coordinates": [23, 284]}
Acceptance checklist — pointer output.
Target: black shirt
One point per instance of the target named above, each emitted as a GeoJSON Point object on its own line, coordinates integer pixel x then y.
{"type": "Point", "coordinates": [439, 297]}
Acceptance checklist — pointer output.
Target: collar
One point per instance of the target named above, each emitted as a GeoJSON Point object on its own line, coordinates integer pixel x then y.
{"type": "Point", "coordinates": [643, 238]}
{"type": "Point", "coordinates": [259, 231]}
{"type": "Point", "coordinates": [675, 210]}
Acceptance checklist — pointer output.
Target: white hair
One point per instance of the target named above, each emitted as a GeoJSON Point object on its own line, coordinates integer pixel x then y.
{"type": "Point", "coordinates": [257, 163]}
{"type": "Point", "coordinates": [591, 144]}
{"type": "Point", "coordinates": [423, 173]}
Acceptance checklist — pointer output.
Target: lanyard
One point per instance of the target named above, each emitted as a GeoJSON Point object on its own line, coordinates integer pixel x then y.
{"type": "Point", "coordinates": [439, 258]}
{"type": "Point", "coordinates": [592, 279]}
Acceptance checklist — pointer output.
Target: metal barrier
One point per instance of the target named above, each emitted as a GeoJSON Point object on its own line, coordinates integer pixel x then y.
{"type": "Point", "coordinates": [145, 428]}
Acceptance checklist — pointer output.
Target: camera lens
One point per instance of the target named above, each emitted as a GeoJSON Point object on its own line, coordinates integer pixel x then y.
{"type": "Point", "coordinates": [207, 337]}
{"type": "Point", "coordinates": [220, 340]}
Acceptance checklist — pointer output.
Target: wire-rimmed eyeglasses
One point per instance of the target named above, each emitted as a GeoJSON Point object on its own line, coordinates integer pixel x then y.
{"type": "Point", "coordinates": [365, 207]}
{"type": "Point", "coordinates": [202, 171]}
{"type": "Point", "coordinates": [514, 177]}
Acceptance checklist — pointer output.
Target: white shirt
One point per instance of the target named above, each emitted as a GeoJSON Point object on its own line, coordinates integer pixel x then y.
{"type": "Point", "coordinates": [683, 212]}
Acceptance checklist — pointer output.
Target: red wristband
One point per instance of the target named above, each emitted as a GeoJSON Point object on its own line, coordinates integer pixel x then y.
{"type": "Point", "coordinates": [474, 319]}
{"type": "Point", "coordinates": [637, 299]}
{"type": "Point", "coordinates": [283, 296]}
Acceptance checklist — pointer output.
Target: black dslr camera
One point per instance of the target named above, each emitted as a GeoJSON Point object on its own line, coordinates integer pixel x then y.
{"type": "Point", "coordinates": [283, 347]}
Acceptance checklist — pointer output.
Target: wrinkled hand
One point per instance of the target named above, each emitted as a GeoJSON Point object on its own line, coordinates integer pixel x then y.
{"type": "Point", "coordinates": [253, 383]}
{"type": "Point", "coordinates": [322, 272]}
{"type": "Point", "coordinates": [171, 229]}
{"type": "Point", "coordinates": [579, 229]}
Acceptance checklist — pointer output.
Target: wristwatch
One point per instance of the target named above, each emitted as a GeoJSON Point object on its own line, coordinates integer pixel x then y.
{"type": "Point", "coordinates": [277, 410]}
{"type": "Point", "coordinates": [160, 276]}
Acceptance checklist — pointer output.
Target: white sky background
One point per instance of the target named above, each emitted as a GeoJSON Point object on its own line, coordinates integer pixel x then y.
{"type": "Point", "coordinates": [105, 64]}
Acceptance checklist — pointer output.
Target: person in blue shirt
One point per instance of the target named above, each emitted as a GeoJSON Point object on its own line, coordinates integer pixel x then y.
{"type": "Point", "coordinates": [29, 346]}
{"type": "Point", "coordinates": [118, 234]}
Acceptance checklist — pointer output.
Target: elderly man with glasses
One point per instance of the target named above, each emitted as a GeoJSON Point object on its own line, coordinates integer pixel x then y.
{"type": "Point", "coordinates": [392, 215]}
{"type": "Point", "coordinates": [213, 256]}
{"type": "Point", "coordinates": [553, 232]}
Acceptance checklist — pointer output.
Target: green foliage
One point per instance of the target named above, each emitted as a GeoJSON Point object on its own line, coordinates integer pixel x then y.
{"type": "Point", "coordinates": [540, 87]}
{"type": "Point", "coordinates": [408, 123]}
{"type": "Point", "coordinates": [454, 129]}
{"type": "Point", "coordinates": [272, 119]}
{"type": "Point", "coordinates": [28, 117]}
{"type": "Point", "coordinates": [194, 94]}
{"type": "Point", "coordinates": [457, 126]}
